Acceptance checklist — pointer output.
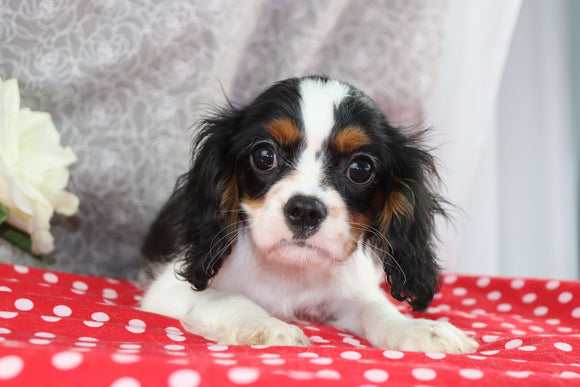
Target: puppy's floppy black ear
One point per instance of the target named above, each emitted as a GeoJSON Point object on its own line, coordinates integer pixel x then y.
{"type": "Point", "coordinates": [407, 222]}
{"type": "Point", "coordinates": [210, 193]}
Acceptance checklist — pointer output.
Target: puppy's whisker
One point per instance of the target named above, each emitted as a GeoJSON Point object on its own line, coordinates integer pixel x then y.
{"type": "Point", "coordinates": [389, 255]}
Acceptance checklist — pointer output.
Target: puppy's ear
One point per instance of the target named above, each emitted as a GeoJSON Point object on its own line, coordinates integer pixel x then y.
{"type": "Point", "coordinates": [210, 192]}
{"type": "Point", "coordinates": [407, 222]}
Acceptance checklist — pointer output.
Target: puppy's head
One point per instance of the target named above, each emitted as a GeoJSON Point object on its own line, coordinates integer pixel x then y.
{"type": "Point", "coordinates": [311, 170]}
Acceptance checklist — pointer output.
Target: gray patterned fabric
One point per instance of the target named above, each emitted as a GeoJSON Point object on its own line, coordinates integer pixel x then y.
{"type": "Point", "coordinates": [125, 81]}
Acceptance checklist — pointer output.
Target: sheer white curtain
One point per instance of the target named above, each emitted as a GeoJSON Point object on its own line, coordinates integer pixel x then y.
{"type": "Point", "coordinates": [504, 108]}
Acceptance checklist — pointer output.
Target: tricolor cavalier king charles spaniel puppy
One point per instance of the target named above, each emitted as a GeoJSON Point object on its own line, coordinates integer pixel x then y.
{"type": "Point", "coordinates": [298, 207]}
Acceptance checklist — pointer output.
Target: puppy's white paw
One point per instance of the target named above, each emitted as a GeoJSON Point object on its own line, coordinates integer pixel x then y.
{"type": "Point", "coordinates": [270, 331]}
{"type": "Point", "coordinates": [421, 335]}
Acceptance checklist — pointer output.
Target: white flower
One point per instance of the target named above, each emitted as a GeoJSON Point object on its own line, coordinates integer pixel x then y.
{"type": "Point", "coordinates": [33, 169]}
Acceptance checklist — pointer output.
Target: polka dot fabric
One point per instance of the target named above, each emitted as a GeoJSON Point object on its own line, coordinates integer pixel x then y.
{"type": "Point", "coordinates": [61, 329]}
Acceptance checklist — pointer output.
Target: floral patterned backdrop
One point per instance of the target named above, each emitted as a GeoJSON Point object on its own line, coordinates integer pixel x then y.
{"type": "Point", "coordinates": [125, 82]}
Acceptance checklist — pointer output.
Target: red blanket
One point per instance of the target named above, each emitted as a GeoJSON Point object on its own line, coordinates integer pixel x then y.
{"type": "Point", "coordinates": [64, 329]}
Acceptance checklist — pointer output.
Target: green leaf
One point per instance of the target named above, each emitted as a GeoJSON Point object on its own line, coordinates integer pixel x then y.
{"type": "Point", "coordinates": [17, 238]}
{"type": "Point", "coordinates": [3, 213]}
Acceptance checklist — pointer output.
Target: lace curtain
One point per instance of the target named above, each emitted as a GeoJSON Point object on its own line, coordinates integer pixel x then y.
{"type": "Point", "coordinates": [126, 80]}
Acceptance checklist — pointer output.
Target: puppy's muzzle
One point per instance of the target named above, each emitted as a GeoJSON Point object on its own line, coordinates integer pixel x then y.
{"type": "Point", "coordinates": [304, 215]}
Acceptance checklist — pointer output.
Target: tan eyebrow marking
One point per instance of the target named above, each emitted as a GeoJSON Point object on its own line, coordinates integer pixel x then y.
{"type": "Point", "coordinates": [350, 139]}
{"type": "Point", "coordinates": [284, 131]}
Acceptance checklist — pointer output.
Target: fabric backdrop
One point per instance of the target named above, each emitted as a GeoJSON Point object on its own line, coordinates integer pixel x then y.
{"type": "Point", "coordinates": [125, 82]}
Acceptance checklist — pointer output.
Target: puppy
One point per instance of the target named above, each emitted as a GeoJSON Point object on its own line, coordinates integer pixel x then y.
{"type": "Point", "coordinates": [297, 207]}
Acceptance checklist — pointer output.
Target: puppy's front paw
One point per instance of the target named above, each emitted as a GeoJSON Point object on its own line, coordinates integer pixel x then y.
{"type": "Point", "coordinates": [421, 335]}
{"type": "Point", "coordinates": [269, 331]}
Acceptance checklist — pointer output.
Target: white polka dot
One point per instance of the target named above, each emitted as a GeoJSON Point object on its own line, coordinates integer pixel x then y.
{"type": "Point", "coordinates": [508, 325]}
{"type": "Point", "coordinates": [126, 382]}
{"type": "Point", "coordinates": [553, 321]}
{"type": "Point", "coordinates": [21, 269]}
{"type": "Point", "coordinates": [490, 338]}
{"type": "Point", "coordinates": [504, 307]}
{"type": "Point", "coordinates": [535, 328]}
{"type": "Point", "coordinates": [173, 331]}
{"type": "Point", "coordinates": [328, 374]}
{"type": "Point", "coordinates": [308, 354]}
{"type": "Point", "coordinates": [136, 326]}
{"type": "Point", "coordinates": [85, 344]}
{"type": "Point", "coordinates": [88, 339]}
{"type": "Point", "coordinates": [478, 325]}
{"type": "Point", "coordinates": [576, 313]}
{"type": "Point", "coordinates": [67, 360]}
{"type": "Point", "coordinates": [469, 301]}
{"type": "Point", "coordinates": [494, 296]}
{"type": "Point", "coordinates": [100, 316]}
{"type": "Point", "coordinates": [62, 311]}
{"type": "Point", "coordinates": [483, 282]}
{"type": "Point", "coordinates": [519, 374]}
{"type": "Point", "coordinates": [393, 354]}
{"type": "Point", "coordinates": [5, 314]}
{"type": "Point", "coordinates": [351, 355]}
{"type": "Point", "coordinates": [125, 358]}
{"type": "Point", "coordinates": [4, 331]}
{"type": "Point", "coordinates": [352, 341]}
{"type": "Point", "coordinates": [243, 375]}
{"type": "Point", "coordinates": [376, 376]}
{"type": "Point", "coordinates": [529, 298]}
{"type": "Point", "coordinates": [565, 297]}
{"type": "Point", "coordinates": [424, 374]}
{"type": "Point", "coordinates": [435, 355]}
{"type": "Point", "coordinates": [51, 278]}
{"type": "Point", "coordinates": [39, 341]}
{"type": "Point", "coordinates": [517, 283]}
{"type": "Point", "coordinates": [490, 353]}
{"type": "Point", "coordinates": [563, 347]}
{"type": "Point", "coordinates": [569, 375]}
{"type": "Point", "coordinates": [184, 378]}
{"type": "Point", "coordinates": [218, 348]}
{"type": "Point", "coordinates": [564, 329]}
{"type": "Point", "coordinates": [5, 289]}
{"type": "Point", "coordinates": [23, 304]}
{"type": "Point", "coordinates": [321, 361]}
{"type": "Point", "coordinates": [318, 339]}
{"type": "Point", "coordinates": [10, 367]}
{"type": "Point", "coordinates": [471, 374]}
{"type": "Point", "coordinates": [93, 324]}
{"type": "Point", "coordinates": [81, 286]}
{"type": "Point", "coordinates": [110, 293]}
{"type": "Point", "coordinates": [274, 361]}
{"type": "Point", "coordinates": [450, 279]}
{"type": "Point", "coordinates": [513, 344]}
{"type": "Point", "coordinates": [527, 348]}
{"type": "Point", "coordinates": [45, 335]}
{"type": "Point", "coordinates": [50, 318]}
{"type": "Point", "coordinates": [553, 284]}
{"type": "Point", "coordinates": [459, 292]}
{"type": "Point", "coordinates": [518, 332]}
{"type": "Point", "coordinates": [176, 337]}
{"type": "Point", "coordinates": [541, 311]}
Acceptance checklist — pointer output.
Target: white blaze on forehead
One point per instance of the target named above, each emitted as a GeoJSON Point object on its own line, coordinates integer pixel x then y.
{"type": "Point", "coordinates": [318, 101]}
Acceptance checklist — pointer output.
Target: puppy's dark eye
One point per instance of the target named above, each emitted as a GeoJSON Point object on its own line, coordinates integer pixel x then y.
{"type": "Point", "coordinates": [263, 157]}
{"type": "Point", "coordinates": [360, 171]}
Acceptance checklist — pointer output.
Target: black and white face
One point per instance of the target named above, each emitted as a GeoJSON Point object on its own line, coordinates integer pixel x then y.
{"type": "Point", "coordinates": [311, 171]}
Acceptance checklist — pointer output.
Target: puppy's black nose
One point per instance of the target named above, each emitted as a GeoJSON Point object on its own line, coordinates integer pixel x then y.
{"type": "Point", "coordinates": [304, 214]}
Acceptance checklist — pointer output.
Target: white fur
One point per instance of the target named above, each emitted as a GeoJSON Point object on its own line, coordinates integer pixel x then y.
{"type": "Point", "coordinates": [249, 300]}
{"type": "Point", "coordinates": [267, 279]}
